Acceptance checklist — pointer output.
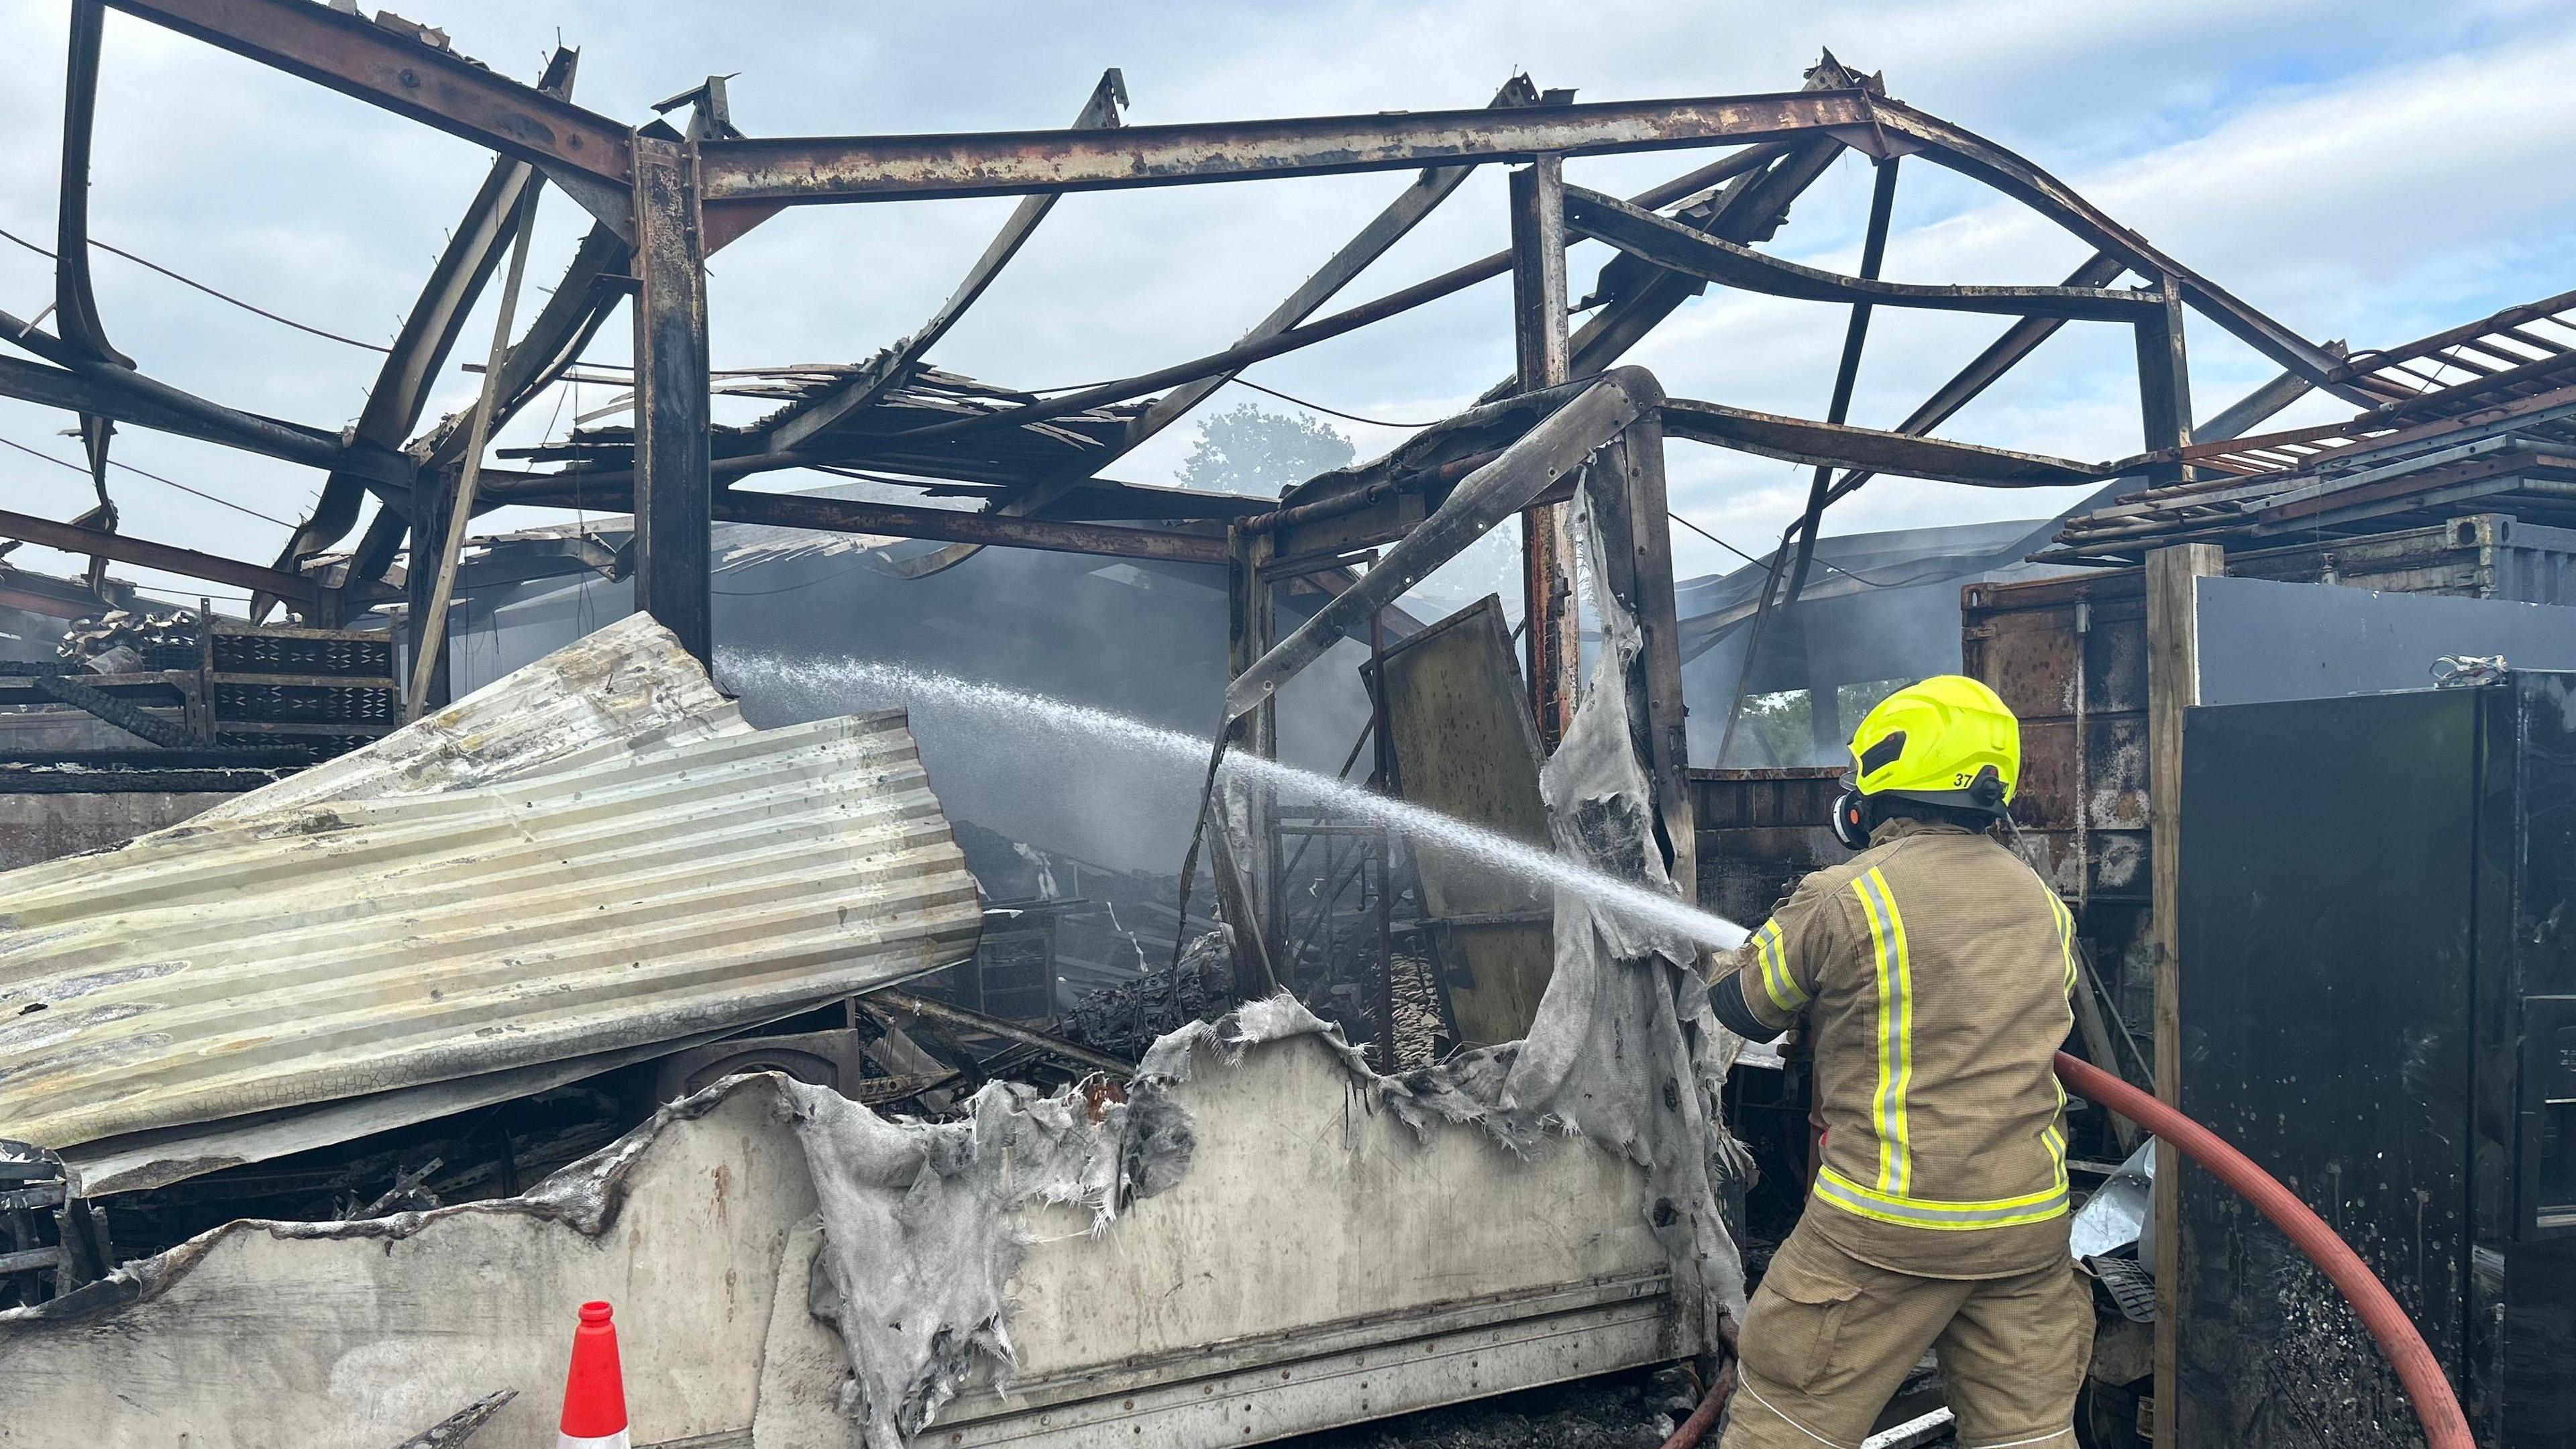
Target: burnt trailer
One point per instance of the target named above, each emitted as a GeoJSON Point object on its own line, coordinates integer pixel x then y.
{"type": "Point", "coordinates": [1268, 1332]}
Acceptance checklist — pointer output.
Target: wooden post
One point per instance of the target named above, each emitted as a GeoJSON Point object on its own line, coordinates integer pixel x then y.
{"type": "Point", "coordinates": [429, 629]}
{"type": "Point", "coordinates": [2173, 685]}
{"type": "Point", "coordinates": [430, 498]}
{"type": "Point", "coordinates": [673, 504]}
{"type": "Point", "coordinates": [1627, 489]}
{"type": "Point", "coordinates": [1244, 886]}
{"type": "Point", "coordinates": [1553, 649]}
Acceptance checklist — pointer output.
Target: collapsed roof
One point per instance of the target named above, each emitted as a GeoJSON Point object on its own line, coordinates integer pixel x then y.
{"type": "Point", "coordinates": [591, 861]}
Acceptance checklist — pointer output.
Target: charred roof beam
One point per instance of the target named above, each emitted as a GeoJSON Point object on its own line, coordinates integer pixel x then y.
{"type": "Point", "coordinates": [817, 415]}
{"type": "Point", "coordinates": [820, 169]}
{"type": "Point", "coordinates": [1400, 216]}
{"type": "Point", "coordinates": [1634, 297]}
{"type": "Point", "coordinates": [1434, 186]}
{"type": "Point", "coordinates": [1305, 334]}
{"type": "Point", "coordinates": [1678, 248]}
{"type": "Point", "coordinates": [951, 525]}
{"type": "Point", "coordinates": [592, 156]}
{"type": "Point", "coordinates": [401, 392]}
{"type": "Point", "coordinates": [1582, 419]}
{"type": "Point", "coordinates": [85, 384]}
{"type": "Point", "coordinates": [406, 75]}
{"type": "Point", "coordinates": [1802, 440]}
{"type": "Point", "coordinates": [1988, 367]}
{"type": "Point", "coordinates": [75, 306]}
{"type": "Point", "coordinates": [72, 538]}
{"type": "Point", "coordinates": [1905, 129]}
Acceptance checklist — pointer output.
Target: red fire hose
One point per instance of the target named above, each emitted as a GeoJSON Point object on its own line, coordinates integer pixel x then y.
{"type": "Point", "coordinates": [2436, 1408]}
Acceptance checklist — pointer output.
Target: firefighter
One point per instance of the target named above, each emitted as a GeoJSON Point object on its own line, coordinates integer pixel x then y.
{"type": "Point", "coordinates": [1932, 975]}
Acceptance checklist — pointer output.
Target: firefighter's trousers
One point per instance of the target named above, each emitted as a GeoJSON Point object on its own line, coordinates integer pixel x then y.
{"type": "Point", "coordinates": [1828, 1339]}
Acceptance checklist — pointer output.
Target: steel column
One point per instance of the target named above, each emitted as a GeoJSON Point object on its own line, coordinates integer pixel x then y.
{"type": "Point", "coordinates": [1551, 649]}
{"type": "Point", "coordinates": [1246, 887]}
{"type": "Point", "coordinates": [2164, 385]}
{"type": "Point", "coordinates": [673, 490]}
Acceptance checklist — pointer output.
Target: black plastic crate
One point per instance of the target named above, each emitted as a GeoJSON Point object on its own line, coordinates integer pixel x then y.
{"type": "Point", "coordinates": [305, 704]}
{"type": "Point", "coordinates": [295, 654]}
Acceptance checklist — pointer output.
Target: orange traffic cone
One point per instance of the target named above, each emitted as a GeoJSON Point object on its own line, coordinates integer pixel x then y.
{"type": "Point", "coordinates": [594, 1411]}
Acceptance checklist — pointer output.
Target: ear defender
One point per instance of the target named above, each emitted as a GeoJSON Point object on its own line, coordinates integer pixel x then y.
{"type": "Point", "coordinates": [1986, 792]}
{"type": "Point", "coordinates": [1851, 820]}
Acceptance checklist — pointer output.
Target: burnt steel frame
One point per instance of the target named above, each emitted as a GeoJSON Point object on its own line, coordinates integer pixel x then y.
{"type": "Point", "coordinates": [663, 201]}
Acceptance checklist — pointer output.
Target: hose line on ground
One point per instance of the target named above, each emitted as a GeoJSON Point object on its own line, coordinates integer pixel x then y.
{"type": "Point", "coordinates": [2436, 1407]}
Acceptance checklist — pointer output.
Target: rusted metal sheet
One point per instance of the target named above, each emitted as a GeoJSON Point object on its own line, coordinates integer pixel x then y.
{"type": "Point", "coordinates": [1465, 745]}
{"type": "Point", "coordinates": [2070, 656]}
{"type": "Point", "coordinates": [560, 867]}
{"type": "Point", "coordinates": [2483, 556]}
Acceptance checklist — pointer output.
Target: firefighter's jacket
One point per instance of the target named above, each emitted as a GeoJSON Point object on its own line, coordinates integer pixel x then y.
{"type": "Point", "coordinates": [1933, 972]}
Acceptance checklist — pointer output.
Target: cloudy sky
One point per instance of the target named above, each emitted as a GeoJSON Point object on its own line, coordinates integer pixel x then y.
{"type": "Point", "coordinates": [2361, 169]}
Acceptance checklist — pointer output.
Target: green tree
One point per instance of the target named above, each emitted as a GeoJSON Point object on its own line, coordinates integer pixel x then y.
{"type": "Point", "coordinates": [1781, 722]}
{"type": "Point", "coordinates": [1248, 450]}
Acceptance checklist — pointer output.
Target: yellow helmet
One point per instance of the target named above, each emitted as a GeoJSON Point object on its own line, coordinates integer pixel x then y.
{"type": "Point", "coordinates": [1948, 740]}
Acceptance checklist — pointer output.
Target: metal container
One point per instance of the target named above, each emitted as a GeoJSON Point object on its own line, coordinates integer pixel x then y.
{"type": "Point", "coordinates": [2378, 993]}
{"type": "Point", "coordinates": [2070, 656]}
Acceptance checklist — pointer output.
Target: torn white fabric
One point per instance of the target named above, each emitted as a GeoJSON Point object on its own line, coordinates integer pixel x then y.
{"type": "Point", "coordinates": [921, 1228]}
{"type": "Point", "coordinates": [1625, 1049]}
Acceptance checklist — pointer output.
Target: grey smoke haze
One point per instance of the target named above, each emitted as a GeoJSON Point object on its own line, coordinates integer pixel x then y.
{"type": "Point", "coordinates": [1146, 641]}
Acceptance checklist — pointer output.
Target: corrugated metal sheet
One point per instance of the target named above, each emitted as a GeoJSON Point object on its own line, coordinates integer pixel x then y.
{"type": "Point", "coordinates": [643, 870]}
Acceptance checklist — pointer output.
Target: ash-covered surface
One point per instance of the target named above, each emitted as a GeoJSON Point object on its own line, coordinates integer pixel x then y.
{"type": "Point", "coordinates": [1617, 1411]}
{"type": "Point", "coordinates": [1130, 1017]}
{"type": "Point", "coordinates": [1637, 1409]}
